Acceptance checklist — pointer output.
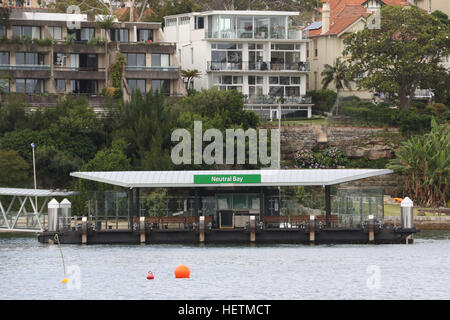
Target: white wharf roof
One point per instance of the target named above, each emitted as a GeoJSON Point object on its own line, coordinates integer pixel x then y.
{"type": "Point", "coordinates": [297, 177]}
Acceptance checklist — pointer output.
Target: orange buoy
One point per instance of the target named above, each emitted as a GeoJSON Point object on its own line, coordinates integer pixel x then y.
{"type": "Point", "coordinates": [150, 276]}
{"type": "Point", "coordinates": [182, 271]}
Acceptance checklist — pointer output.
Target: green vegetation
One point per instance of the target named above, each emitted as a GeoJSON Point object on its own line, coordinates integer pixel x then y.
{"type": "Point", "coordinates": [424, 162]}
{"type": "Point", "coordinates": [329, 158]}
{"type": "Point", "coordinates": [401, 56]}
{"type": "Point", "coordinates": [323, 100]}
{"type": "Point", "coordinates": [131, 136]}
{"type": "Point", "coordinates": [415, 120]}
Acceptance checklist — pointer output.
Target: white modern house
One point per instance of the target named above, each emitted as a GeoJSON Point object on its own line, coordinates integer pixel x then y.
{"type": "Point", "coordinates": [259, 53]}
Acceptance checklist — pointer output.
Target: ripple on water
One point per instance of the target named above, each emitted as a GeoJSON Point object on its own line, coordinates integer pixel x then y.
{"type": "Point", "coordinates": [30, 270]}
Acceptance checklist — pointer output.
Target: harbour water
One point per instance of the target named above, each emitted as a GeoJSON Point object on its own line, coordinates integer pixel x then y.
{"type": "Point", "coordinates": [30, 270]}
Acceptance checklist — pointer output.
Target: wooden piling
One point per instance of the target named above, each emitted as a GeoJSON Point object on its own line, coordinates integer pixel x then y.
{"type": "Point", "coordinates": [84, 230]}
{"type": "Point", "coordinates": [201, 228]}
{"type": "Point", "coordinates": [252, 229]}
{"type": "Point", "coordinates": [371, 229]}
{"type": "Point", "coordinates": [142, 229]}
{"type": "Point", "coordinates": [312, 229]}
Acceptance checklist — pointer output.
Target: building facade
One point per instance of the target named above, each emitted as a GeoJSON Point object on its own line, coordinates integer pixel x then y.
{"type": "Point", "coordinates": [258, 53]}
{"type": "Point", "coordinates": [45, 55]}
{"type": "Point", "coordinates": [433, 5]}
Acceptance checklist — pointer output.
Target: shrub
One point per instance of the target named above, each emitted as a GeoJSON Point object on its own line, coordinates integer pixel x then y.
{"type": "Point", "coordinates": [323, 99]}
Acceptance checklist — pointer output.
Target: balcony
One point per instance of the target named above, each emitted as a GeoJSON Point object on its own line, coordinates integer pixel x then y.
{"type": "Point", "coordinates": [27, 70]}
{"type": "Point", "coordinates": [258, 66]}
{"type": "Point", "coordinates": [274, 100]}
{"type": "Point", "coordinates": [72, 73]}
{"type": "Point", "coordinates": [24, 67]}
{"type": "Point", "coordinates": [141, 72]}
{"type": "Point", "coordinates": [51, 100]}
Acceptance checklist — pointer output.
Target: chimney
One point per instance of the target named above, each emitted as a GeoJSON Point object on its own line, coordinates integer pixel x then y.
{"type": "Point", "coordinates": [325, 18]}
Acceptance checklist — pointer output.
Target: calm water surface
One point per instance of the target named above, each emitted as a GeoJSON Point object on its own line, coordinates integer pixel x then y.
{"type": "Point", "coordinates": [30, 270]}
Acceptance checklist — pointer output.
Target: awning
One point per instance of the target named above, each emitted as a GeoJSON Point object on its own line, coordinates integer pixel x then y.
{"type": "Point", "coordinates": [226, 178]}
{"type": "Point", "coordinates": [20, 192]}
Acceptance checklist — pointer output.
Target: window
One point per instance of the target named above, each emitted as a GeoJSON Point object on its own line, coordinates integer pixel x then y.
{"type": "Point", "coordinates": [144, 35]}
{"type": "Point", "coordinates": [84, 62]}
{"type": "Point", "coordinates": [228, 82]}
{"type": "Point", "coordinates": [2, 31]}
{"type": "Point", "coordinates": [245, 27]}
{"type": "Point", "coordinates": [278, 27]}
{"type": "Point", "coordinates": [281, 86]}
{"type": "Point", "coordinates": [4, 58]}
{"type": "Point", "coordinates": [192, 55]}
{"type": "Point", "coordinates": [83, 34]}
{"type": "Point", "coordinates": [226, 56]}
{"type": "Point", "coordinates": [30, 86]}
{"type": "Point", "coordinates": [120, 35]}
{"type": "Point", "coordinates": [285, 57]}
{"type": "Point", "coordinates": [135, 59]}
{"type": "Point", "coordinates": [161, 86]}
{"type": "Point", "coordinates": [199, 22]}
{"type": "Point", "coordinates": [261, 27]}
{"type": "Point", "coordinates": [160, 60]}
{"type": "Point", "coordinates": [55, 33]}
{"type": "Point", "coordinates": [87, 34]}
{"type": "Point", "coordinates": [84, 86]}
{"type": "Point", "coordinates": [29, 58]}
{"type": "Point", "coordinates": [255, 57]}
{"type": "Point", "coordinates": [136, 84]}
{"type": "Point", "coordinates": [26, 31]}
{"type": "Point", "coordinates": [255, 85]}
{"type": "Point", "coordinates": [59, 59]}
{"type": "Point", "coordinates": [238, 202]}
{"type": "Point", "coordinates": [60, 85]}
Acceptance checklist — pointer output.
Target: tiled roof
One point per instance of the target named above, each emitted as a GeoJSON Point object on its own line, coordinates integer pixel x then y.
{"type": "Point", "coordinates": [123, 14]}
{"type": "Point", "coordinates": [345, 12]}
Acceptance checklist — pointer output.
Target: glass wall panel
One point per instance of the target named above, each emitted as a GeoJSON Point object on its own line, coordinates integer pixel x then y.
{"type": "Point", "coordinates": [278, 27]}
{"type": "Point", "coordinates": [245, 27]}
{"type": "Point", "coordinates": [227, 27]}
{"type": "Point", "coordinates": [262, 27]}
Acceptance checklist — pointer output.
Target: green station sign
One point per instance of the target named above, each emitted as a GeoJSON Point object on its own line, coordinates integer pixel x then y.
{"type": "Point", "coordinates": [226, 178]}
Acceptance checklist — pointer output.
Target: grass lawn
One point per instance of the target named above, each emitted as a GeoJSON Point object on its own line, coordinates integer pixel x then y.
{"type": "Point", "coordinates": [394, 210]}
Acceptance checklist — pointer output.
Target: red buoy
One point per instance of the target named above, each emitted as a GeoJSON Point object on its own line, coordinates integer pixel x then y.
{"type": "Point", "coordinates": [150, 276]}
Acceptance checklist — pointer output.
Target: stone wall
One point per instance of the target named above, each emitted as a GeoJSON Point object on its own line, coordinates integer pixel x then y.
{"type": "Point", "coordinates": [356, 142]}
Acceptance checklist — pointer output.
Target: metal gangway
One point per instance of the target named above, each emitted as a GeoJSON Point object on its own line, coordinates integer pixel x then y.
{"type": "Point", "coordinates": [22, 210]}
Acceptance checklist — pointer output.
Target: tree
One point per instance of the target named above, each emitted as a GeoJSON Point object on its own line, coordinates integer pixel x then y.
{"type": "Point", "coordinates": [53, 167]}
{"type": "Point", "coordinates": [189, 75]}
{"type": "Point", "coordinates": [13, 169]}
{"type": "Point", "coordinates": [402, 55]}
{"type": "Point", "coordinates": [424, 162]}
{"type": "Point", "coordinates": [337, 74]}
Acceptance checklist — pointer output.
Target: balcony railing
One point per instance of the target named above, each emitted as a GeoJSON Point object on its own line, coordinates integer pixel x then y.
{"type": "Point", "coordinates": [258, 66]}
{"type": "Point", "coordinates": [152, 68]}
{"type": "Point", "coordinates": [24, 67]}
{"type": "Point", "coordinates": [292, 34]}
{"type": "Point", "coordinates": [423, 93]}
{"type": "Point", "coordinates": [276, 100]}
{"type": "Point", "coordinates": [95, 69]}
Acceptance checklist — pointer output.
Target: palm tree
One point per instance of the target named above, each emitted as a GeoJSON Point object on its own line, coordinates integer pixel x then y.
{"type": "Point", "coordinates": [338, 75]}
{"type": "Point", "coordinates": [105, 23]}
{"type": "Point", "coordinates": [190, 75]}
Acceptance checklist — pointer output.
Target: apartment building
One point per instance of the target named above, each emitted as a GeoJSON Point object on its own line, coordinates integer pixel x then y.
{"type": "Point", "coordinates": [45, 55]}
{"type": "Point", "coordinates": [258, 53]}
